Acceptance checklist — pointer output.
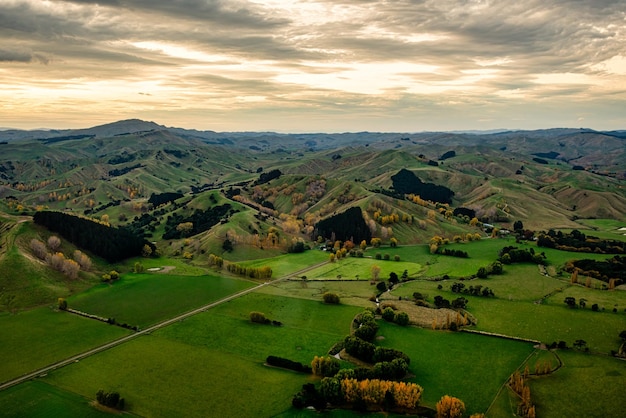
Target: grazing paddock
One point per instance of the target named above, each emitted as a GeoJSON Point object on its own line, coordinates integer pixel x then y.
{"type": "Point", "coordinates": [205, 362]}
{"type": "Point", "coordinates": [38, 399]}
{"type": "Point", "coordinates": [147, 298]}
{"type": "Point", "coordinates": [39, 337]}
{"type": "Point", "coordinates": [351, 267]}
{"type": "Point", "coordinates": [470, 367]}
{"type": "Point", "coordinates": [551, 322]}
{"type": "Point", "coordinates": [586, 386]}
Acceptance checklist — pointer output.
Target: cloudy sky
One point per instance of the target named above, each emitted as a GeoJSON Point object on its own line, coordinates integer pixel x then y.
{"type": "Point", "coordinates": [314, 65]}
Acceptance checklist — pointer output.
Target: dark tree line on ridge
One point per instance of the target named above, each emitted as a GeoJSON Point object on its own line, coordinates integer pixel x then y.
{"type": "Point", "coordinates": [108, 242]}
{"type": "Point", "coordinates": [201, 220]}
{"type": "Point", "coordinates": [406, 182]}
{"type": "Point", "coordinates": [348, 225]}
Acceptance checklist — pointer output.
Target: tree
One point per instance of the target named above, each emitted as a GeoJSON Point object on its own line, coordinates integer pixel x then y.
{"type": "Point", "coordinates": [481, 273]}
{"type": "Point", "coordinates": [325, 366]}
{"type": "Point", "coordinates": [375, 272]}
{"type": "Point", "coordinates": [393, 242]}
{"type": "Point", "coordinates": [62, 304]}
{"type": "Point", "coordinates": [570, 301]}
{"type": "Point", "coordinates": [54, 242]}
{"type": "Point", "coordinates": [518, 226]}
{"type": "Point", "coordinates": [110, 399]}
{"type": "Point", "coordinates": [227, 245]}
{"type": "Point", "coordinates": [580, 344]}
{"type": "Point", "coordinates": [331, 298]}
{"type": "Point", "coordinates": [393, 278]}
{"type": "Point", "coordinates": [258, 317]}
{"type": "Point", "coordinates": [402, 318]}
{"type": "Point", "coordinates": [388, 314]}
{"type": "Point", "coordinates": [450, 407]}
{"type": "Point", "coordinates": [381, 286]}
{"type": "Point", "coordinates": [70, 268]}
{"type": "Point", "coordinates": [39, 249]}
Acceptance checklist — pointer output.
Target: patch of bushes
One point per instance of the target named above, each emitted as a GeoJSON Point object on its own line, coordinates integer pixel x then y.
{"type": "Point", "coordinates": [288, 364]}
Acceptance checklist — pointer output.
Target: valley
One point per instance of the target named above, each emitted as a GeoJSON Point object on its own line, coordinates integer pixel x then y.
{"type": "Point", "coordinates": [472, 235]}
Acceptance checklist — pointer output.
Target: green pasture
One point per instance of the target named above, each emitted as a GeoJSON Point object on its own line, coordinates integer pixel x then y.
{"type": "Point", "coordinates": [609, 226]}
{"type": "Point", "coordinates": [159, 377]}
{"type": "Point", "coordinates": [287, 264]}
{"type": "Point", "coordinates": [351, 267]}
{"type": "Point", "coordinates": [518, 282]}
{"type": "Point", "coordinates": [180, 266]}
{"type": "Point", "coordinates": [586, 386]}
{"type": "Point", "coordinates": [606, 299]}
{"type": "Point", "coordinates": [146, 298]}
{"type": "Point", "coordinates": [213, 363]}
{"type": "Point", "coordinates": [39, 337]}
{"type": "Point", "coordinates": [550, 322]}
{"type": "Point", "coordinates": [470, 367]}
{"type": "Point", "coordinates": [309, 327]}
{"type": "Point", "coordinates": [36, 399]}
{"type": "Point", "coordinates": [351, 292]}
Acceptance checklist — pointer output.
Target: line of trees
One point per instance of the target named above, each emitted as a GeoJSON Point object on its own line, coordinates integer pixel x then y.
{"type": "Point", "coordinates": [264, 272]}
{"type": "Point", "coordinates": [577, 241]}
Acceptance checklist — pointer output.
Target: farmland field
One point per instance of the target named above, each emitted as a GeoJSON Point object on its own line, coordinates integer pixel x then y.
{"type": "Point", "coordinates": [39, 337]}
{"type": "Point", "coordinates": [221, 353]}
{"type": "Point", "coordinates": [146, 298]}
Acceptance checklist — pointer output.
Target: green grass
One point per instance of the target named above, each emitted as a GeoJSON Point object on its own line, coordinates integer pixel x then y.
{"type": "Point", "coordinates": [146, 298]}
{"type": "Point", "coordinates": [159, 377]}
{"type": "Point", "coordinates": [470, 367]}
{"type": "Point", "coordinates": [550, 322]}
{"type": "Point", "coordinates": [212, 363]}
{"type": "Point", "coordinates": [287, 264]}
{"type": "Point", "coordinates": [351, 267]}
{"type": "Point", "coordinates": [35, 399]}
{"type": "Point", "coordinates": [351, 292]}
{"type": "Point", "coordinates": [39, 337]}
{"type": "Point", "coordinates": [586, 386]}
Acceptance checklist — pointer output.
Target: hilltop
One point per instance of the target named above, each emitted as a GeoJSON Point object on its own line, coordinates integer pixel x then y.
{"type": "Point", "coordinates": [287, 183]}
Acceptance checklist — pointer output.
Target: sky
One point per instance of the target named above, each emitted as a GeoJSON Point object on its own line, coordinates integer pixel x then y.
{"type": "Point", "coordinates": [314, 65]}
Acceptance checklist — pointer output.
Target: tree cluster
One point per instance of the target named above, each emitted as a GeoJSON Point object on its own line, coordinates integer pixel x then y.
{"type": "Point", "coordinates": [325, 366]}
{"type": "Point", "coordinates": [406, 182]}
{"type": "Point", "coordinates": [110, 399]}
{"type": "Point", "coordinates": [121, 171]}
{"type": "Point", "coordinates": [264, 272]}
{"type": "Point", "coordinates": [110, 243]}
{"type": "Point", "coordinates": [477, 290]}
{"type": "Point", "coordinates": [200, 220]}
{"type": "Point", "coordinates": [163, 198]}
{"type": "Point", "coordinates": [269, 176]}
{"type": "Point", "coordinates": [512, 254]}
{"type": "Point", "coordinates": [288, 364]}
{"type": "Point", "coordinates": [452, 253]}
{"type": "Point", "coordinates": [604, 270]}
{"type": "Point", "coordinates": [348, 225]}
{"type": "Point", "coordinates": [579, 242]}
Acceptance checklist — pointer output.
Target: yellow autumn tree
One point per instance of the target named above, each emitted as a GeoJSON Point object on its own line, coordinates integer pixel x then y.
{"type": "Point", "coordinates": [450, 407]}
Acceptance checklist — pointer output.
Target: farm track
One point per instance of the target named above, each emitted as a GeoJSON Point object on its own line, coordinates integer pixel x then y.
{"type": "Point", "coordinates": [76, 358]}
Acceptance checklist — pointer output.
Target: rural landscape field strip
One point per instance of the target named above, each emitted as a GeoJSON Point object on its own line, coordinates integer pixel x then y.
{"type": "Point", "coordinates": [150, 329]}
